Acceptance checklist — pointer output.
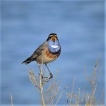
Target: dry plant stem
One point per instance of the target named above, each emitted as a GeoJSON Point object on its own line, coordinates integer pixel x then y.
{"type": "Point", "coordinates": [83, 97]}
{"type": "Point", "coordinates": [33, 79]}
{"type": "Point", "coordinates": [91, 100]}
{"type": "Point", "coordinates": [87, 99]}
{"type": "Point", "coordinates": [54, 87]}
{"type": "Point", "coordinates": [77, 102]}
{"type": "Point", "coordinates": [39, 81]}
{"type": "Point", "coordinates": [72, 91]}
{"type": "Point", "coordinates": [41, 86]}
{"type": "Point", "coordinates": [55, 91]}
{"type": "Point", "coordinates": [47, 98]}
{"type": "Point", "coordinates": [51, 91]}
{"type": "Point", "coordinates": [67, 99]}
{"type": "Point", "coordinates": [59, 98]}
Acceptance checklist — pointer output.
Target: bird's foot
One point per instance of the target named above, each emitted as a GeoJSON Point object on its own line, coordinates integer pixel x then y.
{"type": "Point", "coordinates": [51, 76]}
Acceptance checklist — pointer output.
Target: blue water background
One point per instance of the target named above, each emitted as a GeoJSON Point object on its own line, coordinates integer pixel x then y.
{"type": "Point", "coordinates": [26, 24]}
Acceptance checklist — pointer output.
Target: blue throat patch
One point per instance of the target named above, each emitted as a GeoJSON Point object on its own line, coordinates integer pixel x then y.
{"type": "Point", "coordinates": [54, 47]}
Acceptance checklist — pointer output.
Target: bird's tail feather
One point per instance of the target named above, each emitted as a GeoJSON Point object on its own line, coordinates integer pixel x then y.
{"type": "Point", "coordinates": [27, 61]}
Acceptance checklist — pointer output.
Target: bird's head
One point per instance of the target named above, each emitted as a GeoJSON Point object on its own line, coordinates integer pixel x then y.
{"type": "Point", "coordinates": [53, 43]}
{"type": "Point", "coordinates": [52, 37]}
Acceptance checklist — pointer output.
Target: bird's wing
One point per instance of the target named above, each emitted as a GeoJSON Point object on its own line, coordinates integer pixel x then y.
{"type": "Point", "coordinates": [39, 50]}
{"type": "Point", "coordinates": [36, 53]}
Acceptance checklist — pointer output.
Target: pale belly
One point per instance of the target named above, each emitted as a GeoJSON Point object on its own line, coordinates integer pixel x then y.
{"type": "Point", "coordinates": [46, 57]}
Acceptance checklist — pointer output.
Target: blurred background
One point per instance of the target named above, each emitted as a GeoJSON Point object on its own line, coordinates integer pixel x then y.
{"type": "Point", "coordinates": [26, 24]}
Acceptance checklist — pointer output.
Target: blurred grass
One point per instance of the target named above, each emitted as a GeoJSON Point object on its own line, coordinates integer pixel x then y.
{"type": "Point", "coordinates": [88, 99]}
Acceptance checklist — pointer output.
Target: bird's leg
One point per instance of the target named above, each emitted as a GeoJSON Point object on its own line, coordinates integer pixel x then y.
{"type": "Point", "coordinates": [51, 75]}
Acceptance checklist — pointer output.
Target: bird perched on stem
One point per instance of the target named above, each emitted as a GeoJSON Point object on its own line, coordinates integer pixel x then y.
{"type": "Point", "coordinates": [47, 52]}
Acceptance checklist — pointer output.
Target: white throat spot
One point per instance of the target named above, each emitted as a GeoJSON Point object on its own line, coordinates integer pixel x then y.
{"type": "Point", "coordinates": [54, 46]}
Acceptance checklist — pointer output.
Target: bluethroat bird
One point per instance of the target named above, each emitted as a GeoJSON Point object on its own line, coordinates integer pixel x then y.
{"type": "Point", "coordinates": [47, 52]}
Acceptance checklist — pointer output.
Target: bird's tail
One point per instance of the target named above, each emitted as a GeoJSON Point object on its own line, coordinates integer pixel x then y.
{"type": "Point", "coordinates": [27, 61]}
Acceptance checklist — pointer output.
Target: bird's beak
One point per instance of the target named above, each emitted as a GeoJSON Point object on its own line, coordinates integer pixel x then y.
{"type": "Point", "coordinates": [53, 38]}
